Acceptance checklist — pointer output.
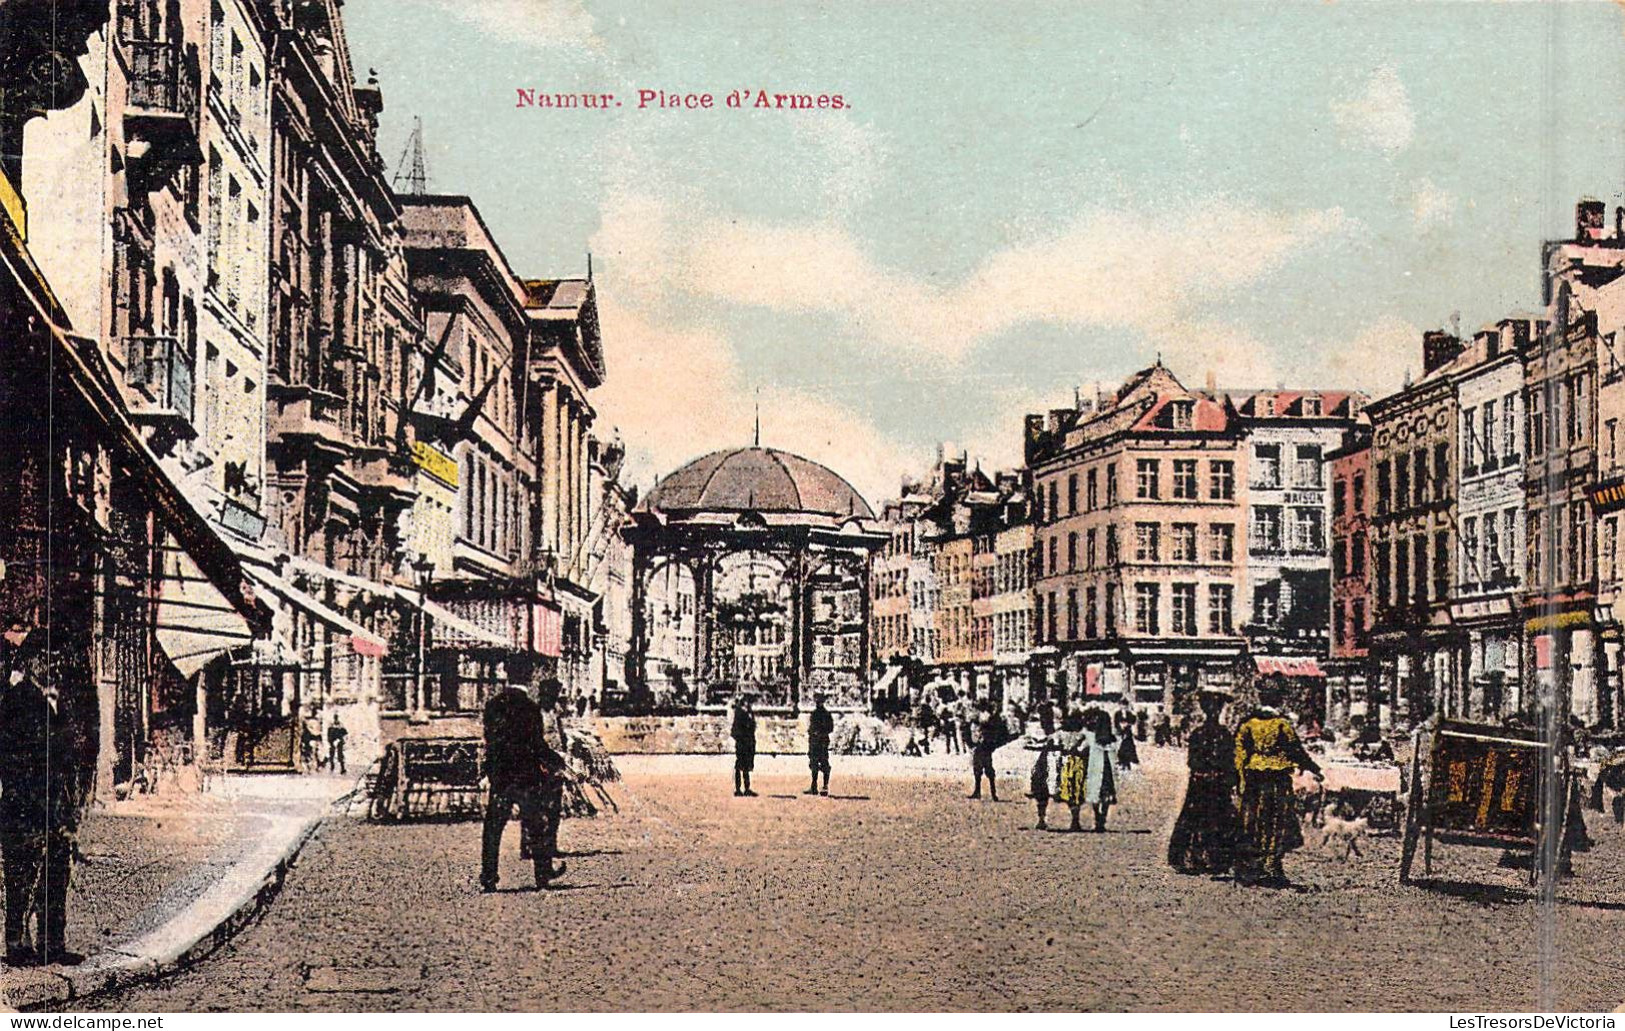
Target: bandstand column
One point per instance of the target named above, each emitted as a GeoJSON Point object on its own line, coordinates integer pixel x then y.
{"type": "Point", "coordinates": [704, 568]}
{"type": "Point", "coordinates": [865, 662]}
{"type": "Point", "coordinates": [796, 569]}
{"type": "Point", "coordinates": [640, 620]}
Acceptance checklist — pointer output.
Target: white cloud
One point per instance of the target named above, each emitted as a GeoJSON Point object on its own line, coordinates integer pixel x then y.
{"type": "Point", "coordinates": [671, 268]}
{"type": "Point", "coordinates": [1374, 359]}
{"type": "Point", "coordinates": [854, 157]}
{"type": "Point", "coordinates": [1380, 116]}
{"type": "Point", "coordinates": [1431, 204]}
{"type": "Point", "coordinates": [544, 24]}
{"type": "Point", "coordinates": [677, 392]}
{"type": "Point", "coordinates": [1107, 268]}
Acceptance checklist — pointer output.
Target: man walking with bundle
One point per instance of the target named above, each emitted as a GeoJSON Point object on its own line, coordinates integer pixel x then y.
{"type": "Point", "coordinates": [820, 727]}
{"type": "Point", "coordinates": [555, 741]}
{"type": "Point", "coordinates": [519, 765]}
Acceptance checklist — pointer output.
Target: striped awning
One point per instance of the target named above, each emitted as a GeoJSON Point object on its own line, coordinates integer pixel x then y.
{"type": "Point", "coordinates": [1289, 666]}
{"type": "Point", "coordinates": [361, 640]}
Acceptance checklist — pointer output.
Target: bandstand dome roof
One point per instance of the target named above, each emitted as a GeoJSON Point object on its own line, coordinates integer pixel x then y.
{"type": "Point", "coordinates": [756, 479]}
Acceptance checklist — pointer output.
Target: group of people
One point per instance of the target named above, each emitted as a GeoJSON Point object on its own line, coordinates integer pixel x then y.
{"type": "Point", "coordinates": [1080, 756]}
{"type": "Point", "coordinates": [311, 734]}
{"type": "Point", "coordinates": [952, 720]}
{"type": "Point", "coordinates": [1240, 813]}
{"type": "Point", "coordinates": [820, 730]}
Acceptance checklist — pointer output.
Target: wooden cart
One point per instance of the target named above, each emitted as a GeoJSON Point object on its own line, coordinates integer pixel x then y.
{"type": "Point", "coordinates": [1482, 787]}
{"type": "Point", "coordinates": [420, 777]}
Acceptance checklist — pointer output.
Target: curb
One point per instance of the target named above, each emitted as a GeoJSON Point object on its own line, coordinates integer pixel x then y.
{"type": "Point", "coordinates": [209, 922]}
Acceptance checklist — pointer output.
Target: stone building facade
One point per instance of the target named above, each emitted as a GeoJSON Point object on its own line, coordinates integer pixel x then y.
{"type": "Point", "coordinates": [1348, 680]}
{"type": "Point", "coordinates": [1488, 579]}
{"type": "Point", "coordinates": [1416, 650]}
{"type": "Point", "coordinates": [114, 535]}
{"type": "Point", "coordinates": [1286, 599]}
{"type": "Point", "coordinates": [1138, 542]}
{"type": "Point", "coordinates": [1566, 661]}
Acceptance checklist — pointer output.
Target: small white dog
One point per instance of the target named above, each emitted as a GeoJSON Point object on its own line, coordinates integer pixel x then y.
{"type": "Point", "coordinates": [1337, 832]}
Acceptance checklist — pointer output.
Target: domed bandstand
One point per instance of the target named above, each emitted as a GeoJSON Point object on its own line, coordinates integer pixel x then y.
{"type": "Point", "coordinates": [751, 573]}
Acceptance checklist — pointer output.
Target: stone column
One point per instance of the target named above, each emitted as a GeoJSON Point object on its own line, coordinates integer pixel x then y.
{"type": "Point", "coordinates": [582, 483]}
{"type": "Point", "coordinates": [548, 532]}
{"type": "Point", "coordinates": [573, 472]}
{"type": "Point", "coordinates": [567, 486]}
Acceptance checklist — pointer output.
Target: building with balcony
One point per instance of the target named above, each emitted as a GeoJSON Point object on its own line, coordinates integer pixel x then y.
{"type": "Point", "coordinates": [473, 441]}
{"type": "Point", "coordinates": [340, 480]}
{"type": "Point", "coordinates": [1140, 507]}
{"type": "Point", "coordinates": [145, 607]}
{"type": "Point", "coordinates": [1570, 626]}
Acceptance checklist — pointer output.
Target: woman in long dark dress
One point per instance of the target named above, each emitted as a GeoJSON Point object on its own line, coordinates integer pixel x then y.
{"type": "Point", "coordinates": [1123, 723]}
{"type": "Point", "coordinates": [1204, 837]}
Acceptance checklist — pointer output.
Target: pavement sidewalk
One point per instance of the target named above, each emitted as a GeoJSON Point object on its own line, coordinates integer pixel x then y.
{"type": "Point", "coordinates": [165, 880]}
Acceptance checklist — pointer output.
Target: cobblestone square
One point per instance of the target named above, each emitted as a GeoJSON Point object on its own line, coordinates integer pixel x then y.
{"type": "Point", "coordinates": [894, 893]}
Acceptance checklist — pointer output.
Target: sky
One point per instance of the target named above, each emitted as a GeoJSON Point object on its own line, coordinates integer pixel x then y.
{"type": "Point", "coordinates": [1016, 201]}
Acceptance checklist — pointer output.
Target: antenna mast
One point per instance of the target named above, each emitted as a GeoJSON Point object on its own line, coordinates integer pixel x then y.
{"type": "Point", "coordinates": [417, 176]}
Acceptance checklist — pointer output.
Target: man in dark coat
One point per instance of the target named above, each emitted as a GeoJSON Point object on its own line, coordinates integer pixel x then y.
{"type": "Point", "coordinates": [744, 735]}
{"type": "Point", "coordinates": [518, 764]}
{"type": "Point", "coordinates": [987, 734]}
{"type": "Point", "coordinates": [820, 727]}
{"type": "Point", "coordinates": [335, 745]}
{"type": "Point", "coordinates": [38, 800]}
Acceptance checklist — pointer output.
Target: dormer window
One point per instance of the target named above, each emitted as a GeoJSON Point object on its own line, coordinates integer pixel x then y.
{"type": "Point", "coordinates": [1183, 414]}
{"type": "Point", "coordinates": [1311, 406]}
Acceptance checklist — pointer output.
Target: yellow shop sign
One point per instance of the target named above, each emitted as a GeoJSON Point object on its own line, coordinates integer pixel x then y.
{"type": "Point", "coordinates": [432, 461]}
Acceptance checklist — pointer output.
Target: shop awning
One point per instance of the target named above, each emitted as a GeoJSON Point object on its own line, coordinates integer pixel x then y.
{"type": "Point", "coordinates": [451, 629]}
{"type": "Point", "coordinates": [211, 557]}
{"type": "Point", "coordinates": [361, 640]}
{"type": "Point", "coordinates": [193, 621]}
{"type": "Point", "coordinates": [1289, 666]}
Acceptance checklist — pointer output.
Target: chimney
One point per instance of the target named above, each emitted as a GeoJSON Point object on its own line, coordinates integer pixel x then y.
{"type": "Point", "coordinates": [1212, 383]}
{"type": "Point", "coordinates": [1439, 348]}
{"type": "Point", "coordinates": [1589, 215]}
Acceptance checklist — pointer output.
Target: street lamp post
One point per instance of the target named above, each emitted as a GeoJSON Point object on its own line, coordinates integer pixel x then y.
{"type": "Point", "coordinates": [424, 569]}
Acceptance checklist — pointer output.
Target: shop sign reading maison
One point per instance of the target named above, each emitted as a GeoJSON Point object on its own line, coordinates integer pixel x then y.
{"type": "Point", "coordinates": [431, 461]}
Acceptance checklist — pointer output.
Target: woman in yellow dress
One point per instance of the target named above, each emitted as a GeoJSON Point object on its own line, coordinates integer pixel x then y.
{"type": "Point", "coordinates": [1073, 745]}
{"type": "Point", "coordinates": [1268, 753]}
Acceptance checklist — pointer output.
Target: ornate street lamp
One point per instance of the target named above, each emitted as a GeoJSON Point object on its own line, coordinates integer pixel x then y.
{"type": "Point", "coordinates": [423, 568]}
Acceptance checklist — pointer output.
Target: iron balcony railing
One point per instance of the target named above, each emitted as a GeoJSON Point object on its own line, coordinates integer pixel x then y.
{"type": "Point", "coordinates": [161, 369]}
{"type": "Point", "coordinates": [164, 77]}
